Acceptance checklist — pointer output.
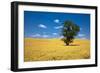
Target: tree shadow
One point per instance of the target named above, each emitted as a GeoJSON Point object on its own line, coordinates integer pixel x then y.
{"type": "Point", "coordinates": [72, 45]}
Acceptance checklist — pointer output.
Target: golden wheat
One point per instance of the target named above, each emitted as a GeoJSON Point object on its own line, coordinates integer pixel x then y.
{"type": "Point", "coordinates": [55, 49]}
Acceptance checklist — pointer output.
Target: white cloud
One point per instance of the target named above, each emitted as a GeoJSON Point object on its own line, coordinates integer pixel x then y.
{"type": "Point", "coordinates": [36, 35]}
{"type": "Point", "coordinates": [40, 36]}
{"type": "Point", "coordinates": [54, 33]}
{"type": "Point", "coordinates": [42, 26]}
{"type": "Point", "coordinates": [56, 20]}
{"type": "Point", "coordinates": [45, 36]}
{"type": "Point", "coordinates": [58, 27]}
{"type": "Point", "coordinates": [83, 38]}
{"type": "Point", "coordinates": [81, 35]}
{"type": "Point", "coordinates": [61, 37]}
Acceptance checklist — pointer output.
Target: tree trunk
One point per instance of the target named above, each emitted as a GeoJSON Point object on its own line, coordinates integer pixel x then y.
{"type": "Point", "coordinates": [67, 44]}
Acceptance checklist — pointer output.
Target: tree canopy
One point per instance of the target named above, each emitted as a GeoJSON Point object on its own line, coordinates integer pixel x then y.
{"type": "Point", "coordinates": [69, 31]}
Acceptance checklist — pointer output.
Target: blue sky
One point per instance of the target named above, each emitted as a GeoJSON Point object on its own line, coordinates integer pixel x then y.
{"type": "Point", "coordinates": [49, 24]}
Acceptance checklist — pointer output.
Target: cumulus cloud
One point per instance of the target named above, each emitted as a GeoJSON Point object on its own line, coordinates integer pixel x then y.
{"type": "Point", "coordinates": [56, 20]}
{"type": "Point", "coordinates": [40, 36]}
{"type": "Point", "coordinates": [81, 35]}
{"type": "Point", "coordinates": [61, 37]}
{"type": "Point", "coordinates": [83, 38]}
{"type": "Point", "coordinates": [54, 33]}
{"type": "Point", "coordinates": [58, 27]}
{"type": "Point", "coordinates": [42, 26]}
{"type": "Point", "coordinates": [36, 35]}
{"type": "Point", "coordinates": [45, 36]}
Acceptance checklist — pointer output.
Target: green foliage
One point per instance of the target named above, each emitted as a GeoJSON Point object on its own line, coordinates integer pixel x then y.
{"type": "Point", "coordinates": [69, 31]}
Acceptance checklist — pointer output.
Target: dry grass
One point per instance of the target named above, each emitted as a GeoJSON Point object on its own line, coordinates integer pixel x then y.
{"type": "Point", "coordinates": [55, 49]}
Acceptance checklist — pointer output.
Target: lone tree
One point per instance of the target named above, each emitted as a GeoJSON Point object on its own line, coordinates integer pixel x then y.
{"type": "Point", "coordinates": [69, 31]}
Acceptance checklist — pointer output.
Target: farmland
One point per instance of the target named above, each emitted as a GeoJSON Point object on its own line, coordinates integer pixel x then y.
{"type": "Point", "coordinates": [36, 49]}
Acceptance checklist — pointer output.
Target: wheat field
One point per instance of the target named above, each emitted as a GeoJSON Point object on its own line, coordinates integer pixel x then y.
{"type": "Point", "coordinates": [36, 49]}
